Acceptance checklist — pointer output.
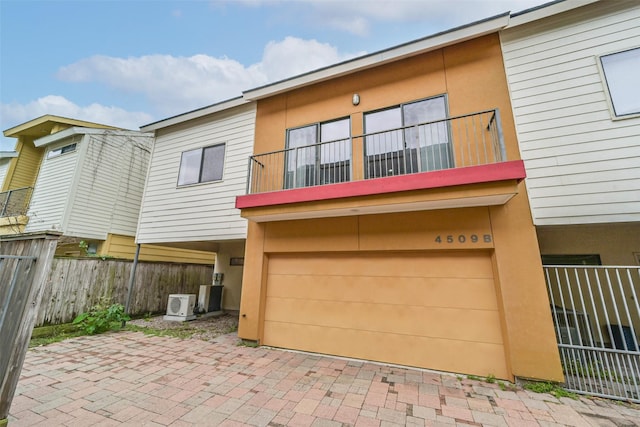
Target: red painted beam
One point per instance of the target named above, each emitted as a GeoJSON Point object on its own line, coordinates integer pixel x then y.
{"type": "Point", "coordinates": [392, 184]}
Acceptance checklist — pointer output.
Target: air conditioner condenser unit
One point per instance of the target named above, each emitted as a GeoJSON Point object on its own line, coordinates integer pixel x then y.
{"type": "Point", "coordinates": [180, 307]}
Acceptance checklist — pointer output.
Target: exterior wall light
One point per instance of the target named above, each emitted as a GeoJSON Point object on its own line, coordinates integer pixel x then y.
{"type": "Point", "coordinates": [356, 99]}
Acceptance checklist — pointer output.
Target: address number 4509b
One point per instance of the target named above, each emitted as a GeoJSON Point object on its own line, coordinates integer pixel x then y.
{"type": "Point", "coordinates": [463, 238]}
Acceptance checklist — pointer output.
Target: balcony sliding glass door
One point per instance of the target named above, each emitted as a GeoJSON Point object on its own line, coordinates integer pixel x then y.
{"type": "Point", "coordinates": [318, 154]}
{"type": "Point", "coordinates": [409, 138]}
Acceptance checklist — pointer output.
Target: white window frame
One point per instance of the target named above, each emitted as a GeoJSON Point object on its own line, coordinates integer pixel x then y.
{"type": "Point", "coordinates": [69, 148]}
{"type": "Point", "coordinates": [606, 86]}
{"type": "Point", "coordinates": [201, 165]}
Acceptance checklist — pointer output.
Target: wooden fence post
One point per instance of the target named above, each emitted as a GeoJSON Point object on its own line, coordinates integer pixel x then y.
{"type": "Point", "coordinates": [20, 308]}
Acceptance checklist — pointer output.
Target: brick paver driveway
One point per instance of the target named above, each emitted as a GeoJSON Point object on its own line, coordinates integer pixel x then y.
{"type": "Point", "coordinates": [128, 378]}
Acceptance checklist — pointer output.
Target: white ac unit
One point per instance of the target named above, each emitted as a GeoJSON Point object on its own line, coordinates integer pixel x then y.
{"type": "Point", "coordinates": [180, 307]}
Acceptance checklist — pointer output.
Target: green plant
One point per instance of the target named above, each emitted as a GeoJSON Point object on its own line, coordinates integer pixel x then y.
{"type": "Point", "coordinates": [551, 388]}
{"type": "Point", "coordinates": [248, 343]}
{"type": "Point", "coordinates": [100, 318]}
{"type": "Point", "coordinates": [49, 334]}
{"type": "Point", "coordinates": [593, 370]}
{"type": "Point", "coordinates": [490, 379]}
{"type": "Point", "coordinates": [474, 377]}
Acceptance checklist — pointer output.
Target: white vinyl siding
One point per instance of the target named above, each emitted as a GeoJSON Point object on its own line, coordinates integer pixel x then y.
{"type": "Point", "coordinates": [52, 190]}
{"type": "Point", "coordinates": [204, 211]}
{"type": "Point", "coordinates": [582, 166]}
{"type": "Point", "coordinates": [109, 185]}
{"type": "Point", "coordinates": [4, 167]}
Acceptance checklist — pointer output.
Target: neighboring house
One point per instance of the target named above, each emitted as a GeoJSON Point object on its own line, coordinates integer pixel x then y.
{"type": "Point", "coordinates": [198, 166]}
{"type": "Point", "coordinates": [5, 161]}
{"type": "Point", "coordinates": [22, 170]}
{"type": "Point", "coordinates": [388, 217]}
{"type": "Point", "coordinates": [86, 181]}
{"type": "Point", "coordinates": [576, 101]}
{"type": "Point", "coordinates": [572, 69]}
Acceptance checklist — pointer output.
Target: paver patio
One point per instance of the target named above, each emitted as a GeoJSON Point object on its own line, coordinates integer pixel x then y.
{"type": "Point", "coordinates": [128, 378]}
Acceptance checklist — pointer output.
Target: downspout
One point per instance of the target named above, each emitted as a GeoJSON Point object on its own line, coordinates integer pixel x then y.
{"type": "Point", "coordinates": [132, 279]}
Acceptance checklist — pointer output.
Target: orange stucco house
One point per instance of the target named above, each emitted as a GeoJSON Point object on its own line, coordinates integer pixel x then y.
{"type": "Point", "coordinates": [388, 217]}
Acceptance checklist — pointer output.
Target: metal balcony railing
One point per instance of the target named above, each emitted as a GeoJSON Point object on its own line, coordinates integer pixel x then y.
{"type": "Point", "coordinates": [15, 202]}
{"type": "Point", "coordinates": [467, 140]}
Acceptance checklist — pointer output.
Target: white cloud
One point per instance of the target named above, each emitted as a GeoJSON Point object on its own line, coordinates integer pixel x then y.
{"type": "Point", "coordinates": [177, 84]}
{"type": "Point", "coordinates": [14, 114]}
{"type": "Point", "coordinates": [359, 16]}
{"type": "Point", "coordinates": [294, 56]}
{"type": "Point", "coordinates": [173, 85]}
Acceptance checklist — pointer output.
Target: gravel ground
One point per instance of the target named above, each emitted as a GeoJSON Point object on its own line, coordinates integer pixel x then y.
{"type": "Point", "coordinates": [202, 328]}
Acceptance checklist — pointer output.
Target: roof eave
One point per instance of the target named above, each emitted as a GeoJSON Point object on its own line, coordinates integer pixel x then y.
{"type": "Point", "coordinates": [16, 130]}
{"type": "Point", "coordinates": [194, 114]}
{"type": "Point", "coordinates": [8, 154]}
{"type": "Point", "coordinates": [437, 41]}
{"type": "Point", "coordinates": [76, 130]}
{"type": "Point", "coordinates": [546, 10]}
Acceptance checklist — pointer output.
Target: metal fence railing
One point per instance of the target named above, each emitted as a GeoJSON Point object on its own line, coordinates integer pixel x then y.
{"type": "Point", "coordinates": [596, 315]}
{"type": "Point", "coordinates": [467, 140]}
{"type": "Point", "coordinates": [15, 202]}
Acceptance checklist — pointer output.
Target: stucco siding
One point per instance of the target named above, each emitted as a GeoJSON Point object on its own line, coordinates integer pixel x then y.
{"type": "Point", "coordinates": [109, 187]}
{"type": "Point", "coordinates": [581, 164]}
{"type": "Point", "coordinates": [53, 188]}
{"type": "Point", "coordinates": [199, 212]}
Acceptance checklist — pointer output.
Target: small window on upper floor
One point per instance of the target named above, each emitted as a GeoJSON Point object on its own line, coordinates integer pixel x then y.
{"type": "Point", "coordinates": [62, 150]}
{"type": "Point", "coordinates": [621, 76]}
{"type": "Point", "coordinates": [201, 165]}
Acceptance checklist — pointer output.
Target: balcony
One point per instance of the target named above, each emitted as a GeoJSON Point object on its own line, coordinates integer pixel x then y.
{"type": "Point", "coordinates": [15, 202]}
{"type": "Point", "coordinates": [13, 210]}
{"type": "Point", "coordinates": [462, 150]}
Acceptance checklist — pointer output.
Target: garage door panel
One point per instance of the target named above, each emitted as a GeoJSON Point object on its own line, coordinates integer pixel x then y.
{"type": "Point", "coordinates": [442, 291]}
{"type": "Point", "coordinates": [477, 325]}
{"type": "Point", "coordinates": [382, 265]}
{"type": "Point", "coordinates": [435, 353]}
{"type": "Point", "coordinates": [429, 309]}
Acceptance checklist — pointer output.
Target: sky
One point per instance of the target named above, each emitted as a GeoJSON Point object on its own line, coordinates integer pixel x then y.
{"type": "Point", "coordinates": [128, 63]}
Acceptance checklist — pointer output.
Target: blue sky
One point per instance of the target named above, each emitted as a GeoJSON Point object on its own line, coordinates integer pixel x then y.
{"type": "Point", "coordinates": [129, 63]}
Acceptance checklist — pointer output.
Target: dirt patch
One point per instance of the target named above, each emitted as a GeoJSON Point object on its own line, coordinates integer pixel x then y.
{"type": "Point", "coordinates": [202, 328]}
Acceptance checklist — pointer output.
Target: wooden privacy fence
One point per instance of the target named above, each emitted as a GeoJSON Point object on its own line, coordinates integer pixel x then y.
{"type": "Point", "coordinates": [24, 263]}
{"type": "Point", "coordinates": [77, 284]}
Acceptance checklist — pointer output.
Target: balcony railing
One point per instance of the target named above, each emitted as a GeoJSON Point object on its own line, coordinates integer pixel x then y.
{"type": "Point", "coordinates": [467, 140]}
{"type": "Point", "coordinates": [15, 202]}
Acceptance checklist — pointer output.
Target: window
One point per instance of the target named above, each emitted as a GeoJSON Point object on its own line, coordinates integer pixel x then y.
{"type": "Point", "coordinates": [62, 150]}
{"type": "Point", "coordinates": [319, 154]}
{"type": "Point", "coordinates": [201, 165]}
{"type": "Point", "coordinates": [620, 72]}
{"type": "Point", "coordinates": [412, 137]}
{"type": "Point", "coordinates": [587, 259]}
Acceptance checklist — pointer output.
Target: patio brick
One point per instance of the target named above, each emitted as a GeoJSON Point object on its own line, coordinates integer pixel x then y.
{"type": "Point", "coordinates": [131, 379]}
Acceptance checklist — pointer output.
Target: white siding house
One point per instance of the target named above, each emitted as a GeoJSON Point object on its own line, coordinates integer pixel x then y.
{"type": "Point", "coordinates": [5, 159]}
{"type": "Point", "coordinates": [581, 155]}
{"type": "Point", "coordinates": [90, 182]}
{"type": "Point", "coordinates": [192, 208]}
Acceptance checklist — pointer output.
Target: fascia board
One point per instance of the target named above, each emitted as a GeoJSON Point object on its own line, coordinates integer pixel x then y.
{"type": "Point", "coordinates": [16, 130]}
{"type": "Point", "coordinates": [437, 41]}
{"type": "Point", "coordinates": [543, 11]}
{"type": "Point", "coordinates": [195, 114]}
{"type": "Point", "coordinates": [8, 154]}
{"type": "Point", "coordinates": [50, 139]}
